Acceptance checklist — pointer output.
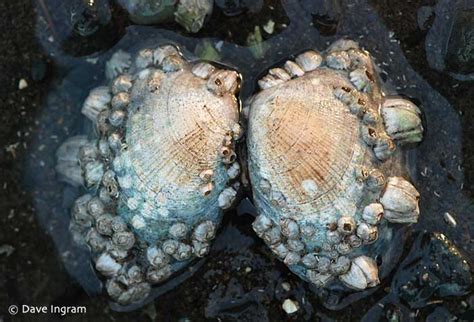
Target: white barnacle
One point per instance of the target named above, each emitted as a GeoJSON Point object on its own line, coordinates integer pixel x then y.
{"type": "Point", "coordinates": [402, 120]}
{"type": "Point", "coordinates": [138, 222]}
{"type": "Point", "coordinates": [191, 14]}
{"type": "Point", "coordinates": [293, 69]}
{"type": "Point", "coordinates": [324, 264]}
{"type": "Point", "coordinates": [123, 239]}
{"type": "Point", "coordinates": [103, 224]}
{"type": "Point", "coordinates": [289, 228]}
{"type": "Point", "coordinates": [362, 274]}
{"type": "Point", "coordinates": [367, 233]}
{"type": "Point", "coordinates": [133, 203]}
{"type": "Point", "coordinates": [265, 186]}
{"type": "Point", "coordinates": [269, 81]}
{"type": "Point", "coordinates": [122, 83]}
{"type": "Point", "coordinates": [120, 100]}
{"type": "Point", "coordinates": [203, 70]}
{"type": "Point", "coordinates": [310, 187]}
{"type": "Point", "coordinates": [333, 237]}
{"type": "Point", "coordinates": [223, 81]}
{"type": "Point", "coordinates": [97, 101]}
{"type": "Point", "coordinates": [346, 95]}
{"type": "Point", "coordinates": [172, 63]}
{"type": "Point", "coordinates": [205, 231]}
{"type": "Point", "coordinates": [206, 189]}
{"type": "Point", "coordinates": [156, 257]}
{"type": "Point", "coordinates": [318, 279]}
{"type": "Point", "coordinates": [346, 225]}
{"type": "Point", "coordinates": [400, 201]}
{"type": "Point", "coordinates": [384, 147]}
{"type": "Point", "coordinates": [373, 213]}
{"type": "Point", "coordinates": [118, 224]}
{"type": "Point", "coordinates": [272, 235]}
{"type": "Point", "coordinates": [110, 184]}
{"type": "Point", "coordinates": [280, 73]}
{"type": "Point", "coordinates": [341, 265]}
{"type": "Point", "coordinates": [144, 58]}
{"type": "Point", "coordinates": [227, 198]}
{"type": "Point", "coordinates": [95, 240]}
{"type": "Point", "coordinates": [104, 147]}
{"type": "Point", "coordinates": [261, 224]}
{"type": "Point", "coordinates": [339, 60]}
{"type": "Point", "coordinates": [178, 230]}
{"type": "Point", "coordinates": [157, 275]}
{"type": "Point", "coordinates": [106, 265]}
{"type": "Point", "coordinates": [278, 198]}
{"type": "Point", "coordinates": [310, 260]}
{"type": "Point", "coordinates": [93, 172]}
{"type": "Point", "coordinates": [295, 245]}
{"type": "Point", "coordinates": [307, 230]}
{"type": "Point", "coordinates": [369, 135]}
{"type": "Point", "coordinates": [360, 79]}
{"type": "Point", "coordinates": [119, 63]}
{"type": "Point", "coordinates": [309, 60]}
{"type": "Point", "coordinates": [292, 258]}
{"type": "Point", "coordinates": [343, 44]}
{"type": "Point", "coordinates": [183, 252]}
{"type": "Point", "coordinates": [69, 156]}
{"type": "Point", "coordinates": [233, 171]}
{"type": "Point", "coordinates": [370, 117]}
{"type": "Point", "coordinates": [227, 154]}
{"type": "Point", "coordinates": [280, 250]}
{"type": "Point", "coordinates": [200, 249]}
{"type": "Point", "coordinates": [206, 175]}
{"type": "Point", "coordinates": [87, 152]}
{"type": "Point", "coordinates": [170, 246]}
{"type": "Point", "coordinates": [115, 141]}
{"type": "Point", "coordinates": [162, 52]}
{"type": "Point", "coordinates": [359, 58]}
{"type": "Point", "coordinates": [125, 181]}
{"type": "Point", "coordinates": [343, 248]}
{"type": "Point", "coordinates": [354, 241]}
{"type": "Point", "coordinates": [375, 180]}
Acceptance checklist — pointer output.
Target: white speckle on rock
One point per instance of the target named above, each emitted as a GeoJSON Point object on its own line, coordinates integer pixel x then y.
{"type": "Point", "coordinates": [449, 219]}
{"type": "Point", "coordinates": [22, 84]}
{"type": "Point", "coordinates": [132, 203]}
{"type": "Point", "coordinates": [290, 306]}
{"type": "Point", "coordinates": [310, 187]}
{"type": "Point", "coordinates": [138, 222]}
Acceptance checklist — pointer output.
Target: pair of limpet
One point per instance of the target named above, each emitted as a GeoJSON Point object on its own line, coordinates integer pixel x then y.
{"type": "Point", "coordinates": [162, 165]}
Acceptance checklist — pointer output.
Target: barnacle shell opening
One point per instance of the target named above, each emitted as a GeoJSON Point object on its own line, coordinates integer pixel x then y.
{"type": "Point", "coordinates": [156, 178]}
{"type": "Point", "coordinates": [319, 156]}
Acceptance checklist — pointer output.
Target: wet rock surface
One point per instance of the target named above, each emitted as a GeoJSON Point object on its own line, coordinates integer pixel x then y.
{"type": "Point", "coordinates": [433, 269]}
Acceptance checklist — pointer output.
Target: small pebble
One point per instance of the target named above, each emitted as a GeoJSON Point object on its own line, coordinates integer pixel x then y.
{"type": "Point", "coordinates": [22, 84]}
{"type": "Point", "coordinates": [269, 27]}
{"type": "Point", "coordinates": [290, 306]}
{"type": "Point", "coordinates": [7, 250]}
{"type": "Point", "coordinates": [449, 219]}
{"type": "Point", "coordinates": [248, 269]}
{"type": "Point", "coordinates": [286, 286]}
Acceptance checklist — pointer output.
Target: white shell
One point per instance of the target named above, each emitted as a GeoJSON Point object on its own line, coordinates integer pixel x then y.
{"type": "Point", "coordinates": [400, 201]}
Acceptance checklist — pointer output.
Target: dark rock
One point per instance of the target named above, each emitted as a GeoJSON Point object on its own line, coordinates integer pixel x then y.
{"type": "Point", "coordinates": [433, 269]}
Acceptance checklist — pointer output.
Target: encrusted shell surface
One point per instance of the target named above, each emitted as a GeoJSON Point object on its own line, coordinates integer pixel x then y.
{"type": "Point", "coordinates": [161, 169]}
{"type": "Point", "coordinates": [174, 134]}
{"type": "Point", "coordinates": [318, 156]}
{"type": "Point", "coordinates": [307, 145]}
